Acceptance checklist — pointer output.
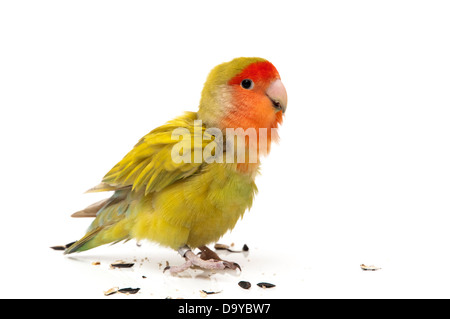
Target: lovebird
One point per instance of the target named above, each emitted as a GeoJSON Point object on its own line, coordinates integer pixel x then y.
{"type": "Point", "coordinates": [184, 184]}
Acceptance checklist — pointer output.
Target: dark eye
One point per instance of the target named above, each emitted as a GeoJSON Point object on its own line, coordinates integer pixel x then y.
{"type": "Point", "coordinates": [247, 84]}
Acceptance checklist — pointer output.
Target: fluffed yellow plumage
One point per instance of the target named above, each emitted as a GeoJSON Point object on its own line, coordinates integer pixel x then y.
{"type": "Point", "coordinates": [189, 202]}
{"type": "Point", "coordinates": [154, 198]}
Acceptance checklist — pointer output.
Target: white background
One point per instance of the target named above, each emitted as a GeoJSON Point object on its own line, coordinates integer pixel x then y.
{"type": "Point", "coordinates": [361, 173]}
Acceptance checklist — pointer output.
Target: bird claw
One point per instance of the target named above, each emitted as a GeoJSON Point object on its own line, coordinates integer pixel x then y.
{"type": "Point", "coordinates": [231, 265]}
{"type": "Point", "coordinates": [207, 260]}
{"type": "Point", "coordinates": [207, 254]}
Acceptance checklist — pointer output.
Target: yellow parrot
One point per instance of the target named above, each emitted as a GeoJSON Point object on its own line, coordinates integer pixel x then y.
{"type": "Point", "coordinates": [188, 203]}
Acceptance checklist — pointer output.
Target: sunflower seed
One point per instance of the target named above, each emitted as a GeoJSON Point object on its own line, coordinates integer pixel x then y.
{"type": "Point", "coordinates": [244, 284]}
{"type": "Point", "coordinates": [122, 265]}
{"type": "Point", "coordinates": [130, 291]}
{"type": "Point", "coordinates": [265, 285]}
{"type": "Point", "coordinates": [210, 292]}
{"type": "Point", "coordinates": [62, 247]}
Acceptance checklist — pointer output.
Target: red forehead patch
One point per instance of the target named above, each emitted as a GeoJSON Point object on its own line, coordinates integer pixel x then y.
{"type": "Point", "coordinates": [258, 72]}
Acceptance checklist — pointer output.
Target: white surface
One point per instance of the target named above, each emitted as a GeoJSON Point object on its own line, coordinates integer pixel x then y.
{"type": "Point", "coordinates": [361, 174]}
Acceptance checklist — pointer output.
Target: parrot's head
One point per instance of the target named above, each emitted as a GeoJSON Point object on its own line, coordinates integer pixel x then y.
{"type": "Point", "coordinates": [243, 93]}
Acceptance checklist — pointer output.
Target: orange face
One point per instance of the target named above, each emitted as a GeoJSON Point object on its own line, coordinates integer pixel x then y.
{"type": "Point", "coordinates": [259, 98]}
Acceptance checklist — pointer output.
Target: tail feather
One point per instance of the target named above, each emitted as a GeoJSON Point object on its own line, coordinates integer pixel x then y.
{"type": "Point", "coordinates": [105, 187]}
{"type": "Point", "coordinates": [110, 223]}
{"type": "Point", "coordinates": [81, 245]}
{"type": "Point", "coordinates": [91, 211]}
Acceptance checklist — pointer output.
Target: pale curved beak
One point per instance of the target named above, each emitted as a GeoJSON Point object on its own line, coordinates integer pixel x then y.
{"type": "Point", "coordinates": [276, 92]}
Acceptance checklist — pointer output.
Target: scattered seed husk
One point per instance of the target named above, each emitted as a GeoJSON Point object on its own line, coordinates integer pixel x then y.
{"type": "Point", "coordinates": [244, 284]}
{"type": "Point", "coordinates": [209, 292]}
{"type": "Point", "coordinates": [221, 246]}
{"type": "Point", "coordinates": [126, 291]}
{"type": "Point", "coordinates": [265, 285]}
{"type": "Point", "coordinates": [95, 263]}
{"type": "Point", "coordinates": [218, 246]}
{"type": "Point", "coordinates": [369, 268]}
{"type": "Point", "coordinates": [129, 291]}
{"type": "Point", "coordinates": [122, 265]}
{"type": "Point", "coordinates": [62, 247]}
{"type": "Point", "coordinates": [111, 291]}
{"type": "Point", "coordinates": [70, 244]}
